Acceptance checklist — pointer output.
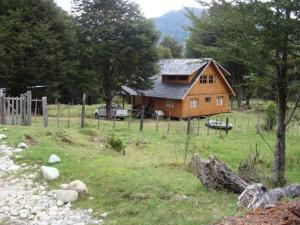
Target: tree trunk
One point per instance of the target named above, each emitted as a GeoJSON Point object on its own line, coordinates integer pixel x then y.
{"type": "Point", "coordinates": [282, 87]}
{"type": "Point", "coordinates": [108, 102]}
{"type": "Point", "coordinates": [257, 196]}
{"type": "Point", "coordinates": [216, 175]}
{"type": "Point", "coordinates": [248, 101]}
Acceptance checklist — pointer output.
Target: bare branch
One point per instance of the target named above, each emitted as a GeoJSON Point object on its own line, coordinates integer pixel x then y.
{"type": "Point", "coordinates": [293, 112]}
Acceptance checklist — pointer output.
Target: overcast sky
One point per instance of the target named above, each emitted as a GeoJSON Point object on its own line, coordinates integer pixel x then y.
{"type": "Point", "coordinates": [150, 8]}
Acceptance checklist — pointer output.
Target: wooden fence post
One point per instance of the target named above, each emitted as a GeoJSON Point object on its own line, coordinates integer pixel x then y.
{"type": "Point", "coordinates": [142, 118]}
{"type": "Point", "coordinates": [227, 121]}
{"type": "Point", "coordinates": [198, 126]}
{"type": "Point", "coordinates": [169, 120]}
{"type": "Point", "coordinates": [129, 122]}
{"type": "Point", "coordinates": [17, 110]}
{"type": "Point", "coordinates": [188, 130]}
{"type": "Point", "coordinates": [156, 128]}
{"type": "Point", "coordinates": [208, 126]}
{"type": "Point", "coordinates": [29, 102]}
{"type": "Point", "coordinates": [45, 111]}
{"type": "Point", "coordinates": [22, 109]}
{"type": "Point", "coordinates": [83, 110]}
{"type": "Point", "coordinates": [115, 118]}
{"type": "Point", "coordinates": [2, 108]}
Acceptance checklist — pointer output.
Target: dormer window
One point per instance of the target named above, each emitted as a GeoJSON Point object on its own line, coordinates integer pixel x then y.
{"type": "Point", "coordinates": [203, 79]}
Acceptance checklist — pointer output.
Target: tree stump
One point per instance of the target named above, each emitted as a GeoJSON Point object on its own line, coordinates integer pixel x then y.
{"type": "Point", "coordinates": [216, 175]}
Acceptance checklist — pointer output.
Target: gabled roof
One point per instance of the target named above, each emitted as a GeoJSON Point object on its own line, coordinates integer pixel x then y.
{"type": "Point", "coordinates": [181, 67]}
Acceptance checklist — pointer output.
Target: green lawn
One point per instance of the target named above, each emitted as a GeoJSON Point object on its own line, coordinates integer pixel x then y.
{"type": "Point", "coordinates": [148, 185]}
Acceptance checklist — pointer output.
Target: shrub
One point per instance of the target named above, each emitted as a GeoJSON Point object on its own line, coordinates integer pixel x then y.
{"type": "Point", "coordinates": [116, 143]}
{"type": "Point", "coordinates": [249, 169]}
{"type": "Point", "coordinates": [271, 116]}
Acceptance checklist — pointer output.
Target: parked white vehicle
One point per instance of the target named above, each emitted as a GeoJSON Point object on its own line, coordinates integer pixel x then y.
{"type": "Point", "coordinates": [116, 111]}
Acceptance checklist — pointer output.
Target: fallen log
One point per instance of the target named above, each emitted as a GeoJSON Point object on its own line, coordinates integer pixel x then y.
{"type": "Point", "coordinates": [216, 175]}
{"type": "Point", "coordinates": [257, 196]}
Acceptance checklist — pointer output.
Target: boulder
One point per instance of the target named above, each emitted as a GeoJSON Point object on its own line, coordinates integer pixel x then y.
{"type": "Point", "coordinates": [2, 136]}
{"type": "Point", "coordinates": [50, 173]}
{"type": "Point", "coordinates": [22, 145]}
{"type": "Point", "coordinates": [53, 159]}
{"type": "Point", "coordinates": [78, 185]}
{"type": "Point", "coordinates": [66, 196]}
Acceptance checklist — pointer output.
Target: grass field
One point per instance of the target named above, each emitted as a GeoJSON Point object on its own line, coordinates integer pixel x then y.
{"type": "Point", "coordinates": [150, 184]}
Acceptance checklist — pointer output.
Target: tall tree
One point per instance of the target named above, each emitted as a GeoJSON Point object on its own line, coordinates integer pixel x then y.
{"type": "Point", "coordinates": [263, 37]}
{"type": "Point", "coordinates": [221, 33]}
{"type": "Point", "coordinates": [33, 36]}
{"type": "Point", "coordinates": [120, 42]}
{"type": "Point", "coordinates": [279, 26]}
{"type": "Point", "coordinates": [169, 42]}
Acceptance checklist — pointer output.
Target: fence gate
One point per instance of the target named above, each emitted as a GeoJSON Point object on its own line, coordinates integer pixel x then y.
{"type": "Point", "coordinates": [15, 110]}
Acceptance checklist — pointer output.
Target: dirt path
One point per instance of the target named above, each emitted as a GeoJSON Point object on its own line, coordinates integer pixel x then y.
{"type": "Point", "coordinates": [24, 201]}
{"type": "Point", "coordinates": [287, 213]}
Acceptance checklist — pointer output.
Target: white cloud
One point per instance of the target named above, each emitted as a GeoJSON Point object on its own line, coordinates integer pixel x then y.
{"type": "Point", "coordinates": [150, 8]}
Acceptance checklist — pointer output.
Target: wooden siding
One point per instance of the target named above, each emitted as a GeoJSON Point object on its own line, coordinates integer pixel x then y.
{"type": "Point", "coordinates": [160, 104]}
{"type": "Point", "coordinates": [187, 81]}
{"type": "Point", "coordinates": [213, 90]}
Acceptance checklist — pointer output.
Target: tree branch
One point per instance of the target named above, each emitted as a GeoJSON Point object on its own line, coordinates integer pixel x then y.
{"type": "Point", "coordinates": [294, 110]}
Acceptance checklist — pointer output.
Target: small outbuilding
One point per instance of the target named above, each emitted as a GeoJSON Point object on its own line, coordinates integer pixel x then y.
{"type": "Point", "coordinates": [186, 87]}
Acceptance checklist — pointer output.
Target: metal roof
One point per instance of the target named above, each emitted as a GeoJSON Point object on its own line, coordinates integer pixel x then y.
{"type": "Point", "coordinates": [166, 90]}
{"type": "Point", "coordinates": [181, 66]}
{"type": "Point", "coordinates": [176, 67]}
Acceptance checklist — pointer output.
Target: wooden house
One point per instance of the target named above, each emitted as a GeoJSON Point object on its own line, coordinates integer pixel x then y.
{"type": "Point", "coordinates": [186, 87]}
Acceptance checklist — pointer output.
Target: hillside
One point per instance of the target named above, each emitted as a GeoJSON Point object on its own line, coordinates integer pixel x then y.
{"type": "Point", "coordinates": [173, 23]}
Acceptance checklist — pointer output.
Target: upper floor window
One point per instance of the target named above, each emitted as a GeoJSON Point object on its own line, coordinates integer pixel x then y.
{"type": "Point", "coordinates": [170, 103]}
{"type": "Point", "coordinates": [207, 99]}
{"type": "Point", "coordinates": [176, 77]}
{"type": "Point", "coordinates": [220, 101]}
{"type": "Point", "coordinates": [203, 79]}
{"type": "Point", "coordinates": [212, 79]}
{"type": "Point", "coordinates": [193, 103]}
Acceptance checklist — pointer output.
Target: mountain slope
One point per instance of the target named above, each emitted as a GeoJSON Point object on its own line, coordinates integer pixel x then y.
{"type": "Point", "coordinates": [173, 23]}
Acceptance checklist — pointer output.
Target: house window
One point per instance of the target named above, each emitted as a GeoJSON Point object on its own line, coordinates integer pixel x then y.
{"type": "Point", "coordinates": [170, 104]}
{"type": "Point", "coordinates": [203, 79]}
{"type": "Point", "coordinates": [220, 101]}
{"type": "Point", "coordinates": [207, 99]}
{"type": "Point", "coordinates": [193, 103]}
{"type": "Point", "coordinates": [211, 79]}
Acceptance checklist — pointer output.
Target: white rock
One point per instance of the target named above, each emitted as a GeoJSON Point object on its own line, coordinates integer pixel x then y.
{"type": "Point", "coordinates": [53, 159]}
{"type": "Point", "coordinates": [90, 210]}
{"type": "Point", "coordinates": [50, 173]}
{"type": "Point", "coordinates": [42, 216]}
{"type": "Point", "coordinates": [66, 196]}
{"type": "Point", "coordinates": [60, 203]}
{"type": "Point", "coordinates": [63, 186]}
{"type": "Point", "coordinates": [77, 185]}
{"type": "Point", "coordinates": [53, 211]}
{"type": "Point", "coordinates": [104, 215]}
{"type": "Point", "coordinates": [2, 136]}
{"type": "Point", "coordinates": [22, 145]}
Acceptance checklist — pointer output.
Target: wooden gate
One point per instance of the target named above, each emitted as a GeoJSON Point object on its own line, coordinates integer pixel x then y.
{"type": "Point", "coordinates": [15, 110]}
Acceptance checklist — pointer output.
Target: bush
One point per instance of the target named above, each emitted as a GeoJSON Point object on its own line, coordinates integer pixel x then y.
{"type": "Point", "coordinates": [271, 116]}
{"type": "Point", "coordinates": [249, 169]}
{"type": "Point", "coordinates": [116, 143]}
